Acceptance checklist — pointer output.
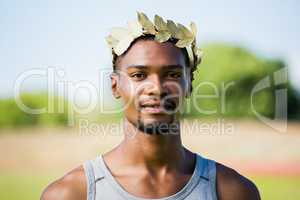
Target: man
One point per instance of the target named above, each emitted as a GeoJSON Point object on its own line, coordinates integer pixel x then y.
{"type": "Point", "coordinates": [153, 66]}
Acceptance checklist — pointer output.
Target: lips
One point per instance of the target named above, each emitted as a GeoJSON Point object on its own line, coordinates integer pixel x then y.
{"type": "Point", "coordinates": [150, 103]}
{"type": "Point", "coordinates": [154, 106]}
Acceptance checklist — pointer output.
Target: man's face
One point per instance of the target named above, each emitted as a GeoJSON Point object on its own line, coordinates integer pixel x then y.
{"type": "Point", "coordinates": [151, 79]}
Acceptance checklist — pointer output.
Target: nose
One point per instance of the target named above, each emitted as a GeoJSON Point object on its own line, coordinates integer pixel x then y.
{"type": "Point", "coordinates": [155, 86]}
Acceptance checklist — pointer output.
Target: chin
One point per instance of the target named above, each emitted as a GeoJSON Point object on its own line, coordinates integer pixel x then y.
{"type": "Point", "coordinates": [156, 125]}
{"type": "Point", "coordinates": [154, 119]}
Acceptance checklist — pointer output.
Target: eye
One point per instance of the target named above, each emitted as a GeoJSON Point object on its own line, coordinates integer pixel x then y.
{"type": "Point", "coordinates": [174, 75]}
{"type": "Point", "coordinates": [138, 75]}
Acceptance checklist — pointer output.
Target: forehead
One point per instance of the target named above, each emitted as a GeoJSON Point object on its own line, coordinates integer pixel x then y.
{"type": "Point", "coordinates": [152, 53]}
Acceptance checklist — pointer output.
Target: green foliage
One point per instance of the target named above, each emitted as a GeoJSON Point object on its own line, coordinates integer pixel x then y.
{"type": "Point", "coordinates": [278, 187]}
{"type": "Point", "coordinates": [23, 186]}
{"type": "Point", "coordinates": [230, 73]}
{"type": "Point", "coordinates": [12, 116]}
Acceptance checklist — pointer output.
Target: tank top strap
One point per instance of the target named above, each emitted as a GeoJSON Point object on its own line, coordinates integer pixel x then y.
{"type": "Point", "coordinates": [93, 172]}
{"type": "Point", "coordinates": [90, 179]}
{"type": "Point", "coordinates": [209, 173]}
{"type": "Point", "coordinates": [98, 168]}
{"type": "Point", "coordinates": [202, 167]}
{"type": "Point", "coordinates": [212, 173]}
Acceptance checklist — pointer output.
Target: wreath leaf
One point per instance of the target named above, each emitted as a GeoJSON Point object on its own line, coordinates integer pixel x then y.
{"type": "Point", "coordinates": [111, 41]}
{"type": "Point", "coordinates": [193, 29]}
{"type": "Point", "coordinates": [190, 54]}
{"type": "Point", "coordinates": [184, 31]}
{"type": "Point", "coordinates": [172, 28]}
{"type": "Point", "coordinates": [162, 36]}
{"type": "Point", "coordinates": [123, 44]}
{"type": "Point", "coordinates": [135, 29]}
{"type": "Point", "coordinates": [160, 24]}
{"type": "Point", "coordinates": [147, 25]}
{"type": "Point", "coordinates": [119, 33]}
{"type": "Point", "coordinates": [184, 42]}
{"type": "Point", "coordinates": [120, 39]}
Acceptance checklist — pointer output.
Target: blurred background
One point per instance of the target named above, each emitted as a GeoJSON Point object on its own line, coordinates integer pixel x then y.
{"type": "Point", "coordinates": [56, 107]}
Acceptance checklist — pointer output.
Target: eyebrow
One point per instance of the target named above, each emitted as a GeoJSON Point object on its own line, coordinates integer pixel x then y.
{"type": "Point", "coordinates": [146, 66]}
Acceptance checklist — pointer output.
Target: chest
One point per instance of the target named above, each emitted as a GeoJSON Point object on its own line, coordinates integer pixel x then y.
{"type": "Point", "coordinates": [150, 187]}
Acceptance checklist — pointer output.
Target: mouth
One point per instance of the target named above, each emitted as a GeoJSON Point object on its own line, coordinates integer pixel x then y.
{"type": "Point", "coordinates": [154, 109]}
{"type": "Point", "coordinates": [158, 107]}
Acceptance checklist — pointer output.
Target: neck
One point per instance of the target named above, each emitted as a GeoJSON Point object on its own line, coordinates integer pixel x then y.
{"type": "Point", "coordinates": [154, 151]}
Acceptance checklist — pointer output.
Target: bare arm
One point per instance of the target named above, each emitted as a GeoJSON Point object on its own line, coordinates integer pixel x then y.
{"type": "Point", "coordinates": [72, 186]}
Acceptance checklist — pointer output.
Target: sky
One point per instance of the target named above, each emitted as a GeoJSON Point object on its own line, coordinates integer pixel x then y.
{"type": "Point", "coordinates": [69, 35]}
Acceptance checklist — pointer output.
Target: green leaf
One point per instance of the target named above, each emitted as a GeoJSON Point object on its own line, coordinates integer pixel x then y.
{"type": "Point", "coordinates": [183, 30]}
{"type": "Point", "coordinates": [191, 55]}
{"type": "Point", "coordinates": [199, 54]}
{"type": "Point", "coordinates": [172, 28]}
{"type": "Point", "coordinates": [193, 28]}
{"type": "Point", "coordinates": [162, 36]}
{"type": "Point", "coordinates": [184, 42]}
{"type": "Point", "coordinates": [146, 23]}
{"type": "Point", "coordinates": [160, 24]}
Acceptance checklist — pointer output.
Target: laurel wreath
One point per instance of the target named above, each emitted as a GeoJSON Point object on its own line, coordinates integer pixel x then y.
{"type": "Point", "coordinates": [120, 38]}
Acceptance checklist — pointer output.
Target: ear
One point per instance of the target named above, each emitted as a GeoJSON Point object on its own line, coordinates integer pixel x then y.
{"type": "Point", "coordinates": [114, 77]}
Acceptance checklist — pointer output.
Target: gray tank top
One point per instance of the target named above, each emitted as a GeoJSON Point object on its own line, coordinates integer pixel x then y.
{"type": "Point", "coordinates": [101, 185]}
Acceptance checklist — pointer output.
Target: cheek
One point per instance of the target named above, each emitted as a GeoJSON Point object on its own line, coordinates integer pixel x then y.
{"type": "Point", "coordinates": [176, 92]}
{"type": "Point", "coordinates": [128, 93]}
{"type": "Point", "coordinates": [175, 88]}
{"type": "Point", "coordinates": [126, 88]}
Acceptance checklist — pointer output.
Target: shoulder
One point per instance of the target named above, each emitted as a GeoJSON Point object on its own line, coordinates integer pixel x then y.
{"type": "Point", "coordinates": [232, 185]}
{"type": "Point", "coordinates": [71, 186]}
